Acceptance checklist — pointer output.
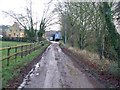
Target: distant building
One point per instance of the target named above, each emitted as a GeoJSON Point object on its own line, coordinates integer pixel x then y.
{"type": "Point", "coordinates": [15, 32]}
{"type": "Point", "coordinates": [48, 34]}
{"type": "Point", "coordinates": [58, 36]}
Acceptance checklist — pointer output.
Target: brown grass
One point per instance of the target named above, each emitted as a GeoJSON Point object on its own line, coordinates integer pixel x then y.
{"type": "Point", "coordinates": [93, 58]}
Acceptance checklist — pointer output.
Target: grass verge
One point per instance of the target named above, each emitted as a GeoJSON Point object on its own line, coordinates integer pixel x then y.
{"type": "Point", "coordinates": [104, 70]}
{"type": "Point", "coordinates": [104, 65]}
{"type": "Point", "coordinates": [13, 70]}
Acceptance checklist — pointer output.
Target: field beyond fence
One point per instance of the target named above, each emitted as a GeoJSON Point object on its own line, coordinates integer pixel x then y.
{"type": "Point", "coordinates": [12, 52]}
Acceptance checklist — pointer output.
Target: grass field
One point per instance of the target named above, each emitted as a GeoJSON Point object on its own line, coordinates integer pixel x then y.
{"type": "Point", "coordinates": [9, 72]}
{"type": "Point", "coordinates": [5, 44]}
{"type": "Point", "coordinates": [10, 43]}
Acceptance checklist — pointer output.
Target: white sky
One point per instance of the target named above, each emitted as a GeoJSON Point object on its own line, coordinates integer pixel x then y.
{"type": "Point", "coordinates": [18, 6]}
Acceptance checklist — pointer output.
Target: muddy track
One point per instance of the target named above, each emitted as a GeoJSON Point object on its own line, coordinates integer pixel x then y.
{"type": "Point", "coordinates": [16, 81]}
{"type": "Point", "coordinates": [58, 70]}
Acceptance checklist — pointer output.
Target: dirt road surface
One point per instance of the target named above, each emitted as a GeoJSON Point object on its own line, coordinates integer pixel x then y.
{"type": "Point", "coordinates": [57, 70]}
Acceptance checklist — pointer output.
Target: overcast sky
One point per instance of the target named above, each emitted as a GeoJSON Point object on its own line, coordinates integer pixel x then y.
{"type": "Point", "coordinates": [18, 6]}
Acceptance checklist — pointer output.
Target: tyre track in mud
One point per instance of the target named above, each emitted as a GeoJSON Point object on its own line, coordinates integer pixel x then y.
{"type": "Point", "coordinates": [57, 70]}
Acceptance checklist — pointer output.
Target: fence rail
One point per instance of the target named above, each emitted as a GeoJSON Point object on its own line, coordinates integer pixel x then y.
{"type": "Point", "coordinates": [19, 50]}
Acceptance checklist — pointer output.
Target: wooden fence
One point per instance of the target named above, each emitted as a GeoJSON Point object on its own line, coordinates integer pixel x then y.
{"type": "Point", "coordinates": [21, 50]}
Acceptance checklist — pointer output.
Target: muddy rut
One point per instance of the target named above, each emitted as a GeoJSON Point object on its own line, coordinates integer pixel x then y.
{"type": "Point", "coordinates": [57, 70]}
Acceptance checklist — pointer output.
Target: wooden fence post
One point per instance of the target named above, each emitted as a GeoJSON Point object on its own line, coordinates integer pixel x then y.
{"type": "Point", "coordinates": [15, 54]}
{"type": "Point", "coordinates": [26, 51]}
{"type": "Point", "coordinates": [21, 51]}
{"type": "Point", "coordinates": [8, 53]}
{"type": "Point", "coordinates": [29, 48]}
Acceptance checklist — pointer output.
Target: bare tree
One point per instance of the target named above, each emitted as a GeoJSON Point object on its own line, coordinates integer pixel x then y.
{"type": "Point", "coordinates": [26, 21]}
{"type": "Point", "coordinates": [48, 19]}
